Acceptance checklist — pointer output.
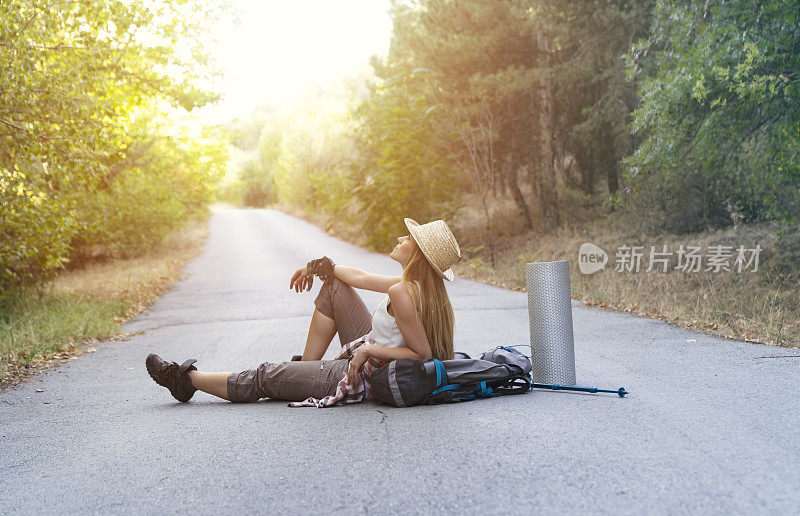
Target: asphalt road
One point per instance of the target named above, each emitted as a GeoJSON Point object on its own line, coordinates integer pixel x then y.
{"type": "Point", "coordinates": [709, 426]}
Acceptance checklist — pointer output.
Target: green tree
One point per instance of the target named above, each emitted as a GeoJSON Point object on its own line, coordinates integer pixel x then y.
{"type": "Point", "coordinates": [76, 73]}
{"type": "Point", "coordinates": [592, 97]}
{"type": "Point", "coordinates": [476, 58]}
{"type": "Point", "coordinates": [402, 170]}
{"type": "Point", "coordinates": [547, 75]}
{"type": "Point", "coordinates": [720, 108]}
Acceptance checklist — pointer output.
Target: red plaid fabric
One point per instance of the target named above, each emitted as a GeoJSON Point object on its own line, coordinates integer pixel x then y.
{"type": "Point", "coordinates": [346, 392]}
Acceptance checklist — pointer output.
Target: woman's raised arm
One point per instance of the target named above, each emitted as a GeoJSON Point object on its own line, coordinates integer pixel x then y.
{"type": "Point", "coordinates": [301, 279]}
{"type": "Point", "coordinates": [364, 280]}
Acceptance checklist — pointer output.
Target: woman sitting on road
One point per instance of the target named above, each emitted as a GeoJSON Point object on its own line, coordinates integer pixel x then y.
{"type": "Point", "coordinates": [415, 321]}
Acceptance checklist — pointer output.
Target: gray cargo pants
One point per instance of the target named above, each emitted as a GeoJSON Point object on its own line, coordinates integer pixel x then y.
{"type": "Point", "coordinates": [298, 380]}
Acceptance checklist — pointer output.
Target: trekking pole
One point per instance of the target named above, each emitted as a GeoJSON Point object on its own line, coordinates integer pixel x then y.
{"type": "Point", "coordinates": [622, 392]}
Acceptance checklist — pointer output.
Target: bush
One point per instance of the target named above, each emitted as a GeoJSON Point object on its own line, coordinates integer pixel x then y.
{"type": "Point", "coordinates": [256, 185]}
{"type": "Point", "coordinates": [131, 218]}
{"type": "Point", "coordinates": [35, 229]}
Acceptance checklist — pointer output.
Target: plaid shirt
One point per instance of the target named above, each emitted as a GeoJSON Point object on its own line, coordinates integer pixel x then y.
{"type": "Point", "coordinates": [345, 391]}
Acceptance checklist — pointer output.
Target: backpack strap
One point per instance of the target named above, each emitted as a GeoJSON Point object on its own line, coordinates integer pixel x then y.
{"type": "Point", "coordinates": [485, 391]}
{"type": "Point", "coordinates": [517, 385]}
{"type": "Point", "coordinates": [441, 373]}
{"type": "Point", "coordinates": [441, 378]}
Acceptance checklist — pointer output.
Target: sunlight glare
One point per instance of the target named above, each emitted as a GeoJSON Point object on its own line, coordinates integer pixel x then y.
{"type": "Point", "coordinates": [281, 50]}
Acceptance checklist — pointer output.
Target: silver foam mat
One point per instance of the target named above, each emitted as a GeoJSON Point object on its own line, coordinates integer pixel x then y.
{"type": "Point", "coordinates": [550, 312]}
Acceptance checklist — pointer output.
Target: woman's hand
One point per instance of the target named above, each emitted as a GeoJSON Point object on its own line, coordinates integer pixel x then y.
{"type": "Point", "coordinates": [357, 362]}
{"type": "Point", "coordinates": [301, 280]}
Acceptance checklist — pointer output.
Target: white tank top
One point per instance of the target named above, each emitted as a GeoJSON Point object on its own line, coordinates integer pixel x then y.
{"type": "Point", "coordinates": [384, 327]}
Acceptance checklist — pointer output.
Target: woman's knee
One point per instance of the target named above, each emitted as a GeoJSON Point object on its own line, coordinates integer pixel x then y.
{"type": "Point", "coordinates": [331, 292]}
{"type": "Point", "coordinates": [252, 384]}
{"type": "Point", "coordinates": [242, 387]}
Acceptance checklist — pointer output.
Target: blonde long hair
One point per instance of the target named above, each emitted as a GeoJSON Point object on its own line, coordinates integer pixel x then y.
{"type": "Point", "coordinates": [438, 318]}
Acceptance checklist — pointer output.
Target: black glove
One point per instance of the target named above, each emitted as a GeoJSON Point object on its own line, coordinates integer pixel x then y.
{"type": "Point", "coordinates": [322, 267]}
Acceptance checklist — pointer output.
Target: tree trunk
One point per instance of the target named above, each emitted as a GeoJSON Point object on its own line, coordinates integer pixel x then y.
{"type": "Point", "coordinates": [548, 194]}
{"type": "Point", "coordinates": [516, 194]}
{"type": "Point", "coordinates": [608, 157]}
{"type": "Point", "coordinates": [586, 167]}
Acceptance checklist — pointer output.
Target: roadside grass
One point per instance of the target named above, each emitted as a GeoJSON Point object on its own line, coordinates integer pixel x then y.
{"type": "Point", "coordinates": [761, 306]}
{"type": "Point", "coordinates": [62, 317]}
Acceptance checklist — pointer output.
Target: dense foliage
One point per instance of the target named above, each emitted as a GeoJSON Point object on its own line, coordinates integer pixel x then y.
{"type": "Point", "coordinates": [720, 108]}
{"type": "Point", "coordinates": [84, 171]}
{"type": "Point", "coordinates": [164, 181]}
{"type": "Point", "coordinates": [667, 115]}
{"type": "Point", "coordinates": [401, 172]}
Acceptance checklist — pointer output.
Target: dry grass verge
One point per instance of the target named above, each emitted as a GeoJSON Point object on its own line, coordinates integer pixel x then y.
{"type": "Point", "coordinates": [760, 306]}
{"type": "Point", "coordinates": [42, 327]}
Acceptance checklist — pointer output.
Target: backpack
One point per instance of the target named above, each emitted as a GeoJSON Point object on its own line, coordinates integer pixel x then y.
{"type": "Point", "coordinates": [405, 382]}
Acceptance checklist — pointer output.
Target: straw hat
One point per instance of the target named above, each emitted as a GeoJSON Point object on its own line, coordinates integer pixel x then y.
{"type": "Point", "coordinates": [437, 243]}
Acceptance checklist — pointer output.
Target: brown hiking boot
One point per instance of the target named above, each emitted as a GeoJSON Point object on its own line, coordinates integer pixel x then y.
{"type": "Point", "coordinates": [172, 376]}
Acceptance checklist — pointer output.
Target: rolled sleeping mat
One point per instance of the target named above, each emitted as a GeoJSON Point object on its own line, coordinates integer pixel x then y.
{"type": "Point", "coordinates": [550, 315]}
